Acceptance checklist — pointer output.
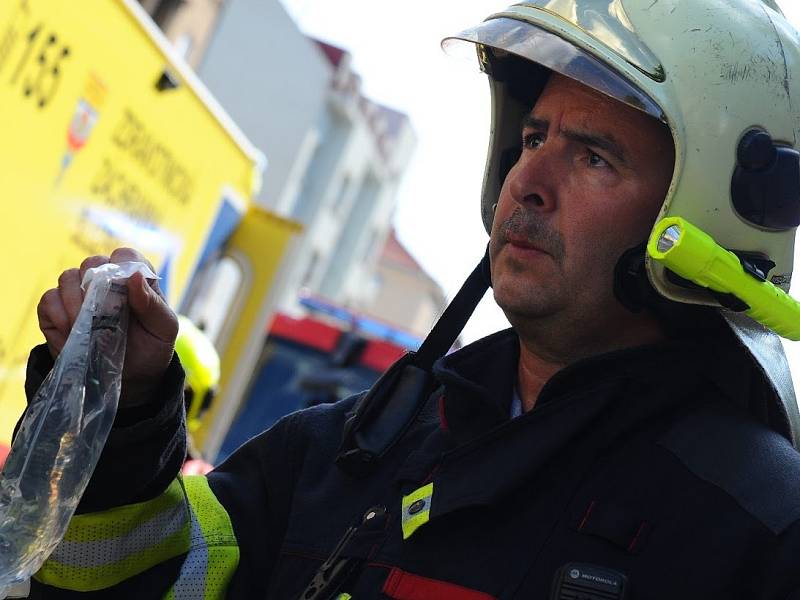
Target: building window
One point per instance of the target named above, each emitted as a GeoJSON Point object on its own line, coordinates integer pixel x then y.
{"type": "Point", "coordinates": [372, 247]}
{"type": "Point", "coordinates": [310, 269]}
{"type": "Point", "coordinates": [183, 45]}
{"type": "Point", "coordinates": [341, 194]}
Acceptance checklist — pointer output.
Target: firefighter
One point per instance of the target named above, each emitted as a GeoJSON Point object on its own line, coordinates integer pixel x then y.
{"type": "Point", "coordinates": [200, 363]}
{"type": "Point", "coordinates": [632, 436]}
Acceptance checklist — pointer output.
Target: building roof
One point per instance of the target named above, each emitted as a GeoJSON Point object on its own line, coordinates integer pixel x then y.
{"type": "Point", "coordinates": [393, 119]}
{"type": "Point", "coordinates": [394, 257]}
{"type": "Point", "coordinates": [396, 254]}
{"type": "Point", "coordinates": [386, 124]}
{"type": "Point", "coordinates": [332, 53]}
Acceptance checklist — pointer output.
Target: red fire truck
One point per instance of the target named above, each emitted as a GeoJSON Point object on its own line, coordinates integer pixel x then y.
{"type": "Point", "coordinates": [311, 360]}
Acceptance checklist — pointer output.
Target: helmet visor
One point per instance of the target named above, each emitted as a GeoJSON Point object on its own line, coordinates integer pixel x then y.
{"type": "Point", "coordinates": [553, 52]}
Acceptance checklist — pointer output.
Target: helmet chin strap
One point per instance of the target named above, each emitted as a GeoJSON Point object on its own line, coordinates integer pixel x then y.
{"type": "Point", "coordinates": [454, 318]}
{"type": "Point", "coordinates": [386, 411]}
{"type": "Point", "coordinates": [632, 288]}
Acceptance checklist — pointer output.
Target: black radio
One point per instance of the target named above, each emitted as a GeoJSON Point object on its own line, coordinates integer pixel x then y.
{"type": "Point", "coordinates": [579, 581]}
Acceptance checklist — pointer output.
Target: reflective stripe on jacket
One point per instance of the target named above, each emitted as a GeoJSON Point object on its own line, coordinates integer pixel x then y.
{"type": "Point", "coordinates": [105, 548]}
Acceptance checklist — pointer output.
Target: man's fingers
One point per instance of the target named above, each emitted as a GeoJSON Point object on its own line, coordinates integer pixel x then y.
{"type": "Point", "coordinates": [156, 287]}
{"type": "Point", "coordinates": [55, 342]}
{"type": "Point", "coordinates": [69, 288]}
{"type": "Point", "coordinates": [51, 312]}
{"type": "Point", "coordinates": [129, 255]}
{"type": "Point", "coordinates": [53, 321]}
{"type": "Point", "coordinates": [58, 308]}
{"type": "Point", "coordinates": [91, 263]}
{"type": "Point", "coordinates": [151, 310]}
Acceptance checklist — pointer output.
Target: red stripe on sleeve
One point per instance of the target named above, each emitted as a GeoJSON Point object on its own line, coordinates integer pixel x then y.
{"type": "Point", "coordinates": [407, 586]}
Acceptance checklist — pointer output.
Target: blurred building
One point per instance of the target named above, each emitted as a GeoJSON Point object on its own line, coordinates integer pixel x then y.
{"type": "Point", "coordinates": [399, 275]}
{"type": "Point", "coordinates": [335, 158]}
{"type": "Point", "coordinates": [348, 193]}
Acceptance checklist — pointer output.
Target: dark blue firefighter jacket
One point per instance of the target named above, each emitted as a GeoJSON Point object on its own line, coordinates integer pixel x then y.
{"type": "Point", "coordinates": [646, 463]}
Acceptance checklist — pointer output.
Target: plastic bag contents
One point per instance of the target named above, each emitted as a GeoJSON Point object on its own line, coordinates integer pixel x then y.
{"type": "Point", "coordinates": [65, 428]}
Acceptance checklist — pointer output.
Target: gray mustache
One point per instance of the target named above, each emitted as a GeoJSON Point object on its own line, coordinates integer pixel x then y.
{"type": "Point", "coordinates": [530, 225]}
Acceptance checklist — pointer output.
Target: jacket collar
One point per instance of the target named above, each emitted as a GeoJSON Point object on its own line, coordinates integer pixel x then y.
{"type": "Point", "coordinates": [480, 454]}
{"type": "Point", "coordinates": [478, 380]}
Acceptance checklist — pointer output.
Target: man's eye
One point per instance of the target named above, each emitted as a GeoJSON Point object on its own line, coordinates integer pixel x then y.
{"type": "Point", "coordinates": [532, 140]}
{"type": "Point", "coordinates": [595, 160]}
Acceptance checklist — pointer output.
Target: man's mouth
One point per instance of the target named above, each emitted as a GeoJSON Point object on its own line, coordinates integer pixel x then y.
{"type": "Point", "coordinates": [528, 236]}
{"type": "Point", "coordinates": [524, 244]}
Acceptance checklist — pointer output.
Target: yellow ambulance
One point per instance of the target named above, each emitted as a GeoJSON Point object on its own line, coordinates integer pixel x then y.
{"type": "Point", "coordinates": [108, 139]}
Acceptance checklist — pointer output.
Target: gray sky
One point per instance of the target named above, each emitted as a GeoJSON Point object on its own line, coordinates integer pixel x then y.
{"type": "Point", "coordinates": [395, 48]}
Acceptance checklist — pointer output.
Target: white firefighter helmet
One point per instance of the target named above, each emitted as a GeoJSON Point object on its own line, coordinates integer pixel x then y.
{"type": "Point", "coordinates": [723, 75]}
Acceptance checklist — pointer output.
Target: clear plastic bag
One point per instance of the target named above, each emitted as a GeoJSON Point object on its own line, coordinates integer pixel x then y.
{"type": "Point", "coordinates": [65, 428]}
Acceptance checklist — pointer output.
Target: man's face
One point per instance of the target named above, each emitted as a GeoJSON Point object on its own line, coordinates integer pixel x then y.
{"type": "Point", "coordinates": [588, 186]}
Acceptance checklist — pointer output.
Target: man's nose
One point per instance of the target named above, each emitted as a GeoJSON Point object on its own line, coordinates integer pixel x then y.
{"type": "Point", "coordinates": [532, 180]}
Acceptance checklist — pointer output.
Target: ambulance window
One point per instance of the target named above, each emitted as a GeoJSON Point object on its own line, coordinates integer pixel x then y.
{"type": "Point", "coordinates": [183, 45]}
{"type": "Point", "coordinates": [162, 11]}
{"type": "Point", "coordinates": [216, 303]}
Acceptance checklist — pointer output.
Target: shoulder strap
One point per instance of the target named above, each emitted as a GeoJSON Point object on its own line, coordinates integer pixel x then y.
{"type": "Point", "coordinates": [387, 410]}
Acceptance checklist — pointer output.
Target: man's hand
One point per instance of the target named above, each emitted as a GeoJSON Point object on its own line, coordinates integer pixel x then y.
{"type": "Point", "coordinates": [152, 328]}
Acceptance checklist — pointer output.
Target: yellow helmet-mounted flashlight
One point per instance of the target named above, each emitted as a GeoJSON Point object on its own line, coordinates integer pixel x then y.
{"type": "Point", "coordinates": [693, 255]}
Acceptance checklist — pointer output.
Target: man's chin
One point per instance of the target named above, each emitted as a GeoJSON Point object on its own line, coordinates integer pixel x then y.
{"type": "Point", "coordinates": [517, 304]}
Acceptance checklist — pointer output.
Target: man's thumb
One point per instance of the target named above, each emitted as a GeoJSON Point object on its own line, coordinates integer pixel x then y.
{"type": "Point", "coordinates": [151, 310]}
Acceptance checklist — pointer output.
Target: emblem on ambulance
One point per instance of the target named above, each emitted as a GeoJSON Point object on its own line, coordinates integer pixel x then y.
{"type": "Point", "coordinates": [83, 120]}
